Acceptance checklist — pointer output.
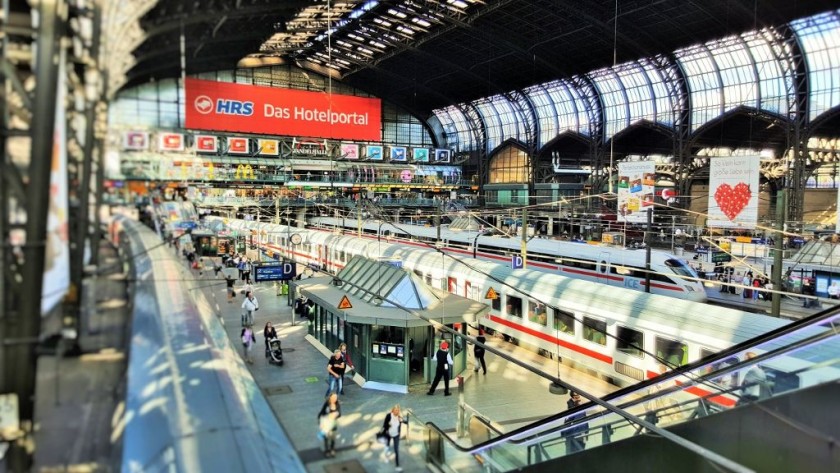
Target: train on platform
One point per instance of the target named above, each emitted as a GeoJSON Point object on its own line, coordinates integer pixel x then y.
{"type": "Point", "coordinates": [610, 265]}
{"type": "Point", "coordinates": [623, 335]}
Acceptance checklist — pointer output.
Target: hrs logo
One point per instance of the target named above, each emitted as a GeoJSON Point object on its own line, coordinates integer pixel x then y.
{"type": "Point", "coordinates": [204, 105]}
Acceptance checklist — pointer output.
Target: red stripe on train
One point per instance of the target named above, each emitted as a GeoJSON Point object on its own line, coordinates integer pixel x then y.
{"type": "Point", "coordinates": [703, 393]}
{"type": "Point", "coordinates": [555, 340]}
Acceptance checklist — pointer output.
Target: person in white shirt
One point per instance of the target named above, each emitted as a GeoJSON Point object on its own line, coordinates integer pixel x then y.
{"type": "Point", "coordinates": [834, 291]}
{"type": "Point", "coordinates": [249, 306]}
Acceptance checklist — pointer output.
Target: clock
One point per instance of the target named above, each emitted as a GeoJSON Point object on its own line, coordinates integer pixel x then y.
{"type": "Point", "coordinates": [296, 239]}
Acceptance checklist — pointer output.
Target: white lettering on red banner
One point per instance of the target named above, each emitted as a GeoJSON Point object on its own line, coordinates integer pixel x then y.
{"type": "Point", "coordinates": [253, 109]}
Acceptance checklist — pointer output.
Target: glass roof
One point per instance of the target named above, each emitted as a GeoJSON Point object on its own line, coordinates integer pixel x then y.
{"type": "Point", "coordinates": [385, 283]}
{"type": "Point", "coordinates": [819, 252]}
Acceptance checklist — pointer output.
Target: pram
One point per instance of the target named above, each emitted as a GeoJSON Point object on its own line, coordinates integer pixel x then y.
{"type": "Point", "coordinates": [274, 353]}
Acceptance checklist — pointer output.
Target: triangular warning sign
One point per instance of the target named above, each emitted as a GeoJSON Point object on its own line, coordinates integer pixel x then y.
{"type": "Point", "coordinates": [345, 303]}
{"type": "Point", "coordinates": [491, 294]}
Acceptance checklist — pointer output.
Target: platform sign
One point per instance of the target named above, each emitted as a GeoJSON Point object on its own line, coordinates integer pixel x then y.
{"type": "Point", "coordinates": [721, 257]}
{"type": "Point", "coordinates": [491, 294]}
{"type": "Point", "coordinates": [516, 262]}
{"type": "Point", "coordinates": [345, 304]}
{"type": "Point", "coordinates": [274, 271]}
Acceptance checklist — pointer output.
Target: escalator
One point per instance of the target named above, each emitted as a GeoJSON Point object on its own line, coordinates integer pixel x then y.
{"type": "Point", "coordinates": [767, 404]}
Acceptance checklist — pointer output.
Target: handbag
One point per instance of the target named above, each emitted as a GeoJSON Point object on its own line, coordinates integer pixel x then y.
{"type": "Point", "coordinates": [382, 437]}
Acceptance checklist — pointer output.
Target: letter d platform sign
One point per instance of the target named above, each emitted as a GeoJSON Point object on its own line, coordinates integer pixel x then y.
{"type": "Point", "coordinates": [516, 262]}
{"type": "Point", "coordinates": [274, 271]}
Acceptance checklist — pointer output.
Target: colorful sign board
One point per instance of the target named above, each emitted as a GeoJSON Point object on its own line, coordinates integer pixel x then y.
{"type": "Point", "coordinates": [636, 181]}
{"type": "Point", "coordinates": [212, 105]}
{"type": "Point", "coordinates": [374, 152]}
{"type": "Point", "coordinates": [421, 155]}
{"type": "Point", "coordinates": [136, 140]}
{"type": "Point", "coordinates": [268, 147]}
{"type": "Point", "coordinates": [349, 151]}
{"type": "Point", "coordinates": [237, 145]}
{"type": "Point", "coordinates": [399, 153]}
{"type": "Point", "coordinates": [206, 143]}
{"type": "Point", "coordinates": [171, 142]}
{"type": "Point", "coordinates": [442, 155]}
{"type": "Point", "coordinates": [733, 191]}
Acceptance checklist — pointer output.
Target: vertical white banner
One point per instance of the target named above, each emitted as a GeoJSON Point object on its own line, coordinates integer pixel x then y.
{"type": "Point", "coordinates": [733, 192]}
{"type": "Point", "coordinates": [636, 181]}
{"type": "Point", "coordinates": [57, 258]}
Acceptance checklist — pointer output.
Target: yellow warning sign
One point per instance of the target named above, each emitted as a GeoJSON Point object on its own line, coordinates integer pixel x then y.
{"type": "Point", "coordinates": [491, 294]}
{"type": "Point", "coordinates": [345, 303]}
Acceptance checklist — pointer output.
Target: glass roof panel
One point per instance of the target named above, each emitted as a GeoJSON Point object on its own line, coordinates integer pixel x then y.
{"type": "Point", "coordinates": [819, 38]}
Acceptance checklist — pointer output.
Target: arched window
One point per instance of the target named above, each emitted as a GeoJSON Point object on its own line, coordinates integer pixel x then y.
{"type": "Point", "coordinates": [510, 164]}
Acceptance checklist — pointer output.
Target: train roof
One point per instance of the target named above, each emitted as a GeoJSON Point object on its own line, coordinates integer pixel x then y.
{"type": "Point", "coordinates": [618, 255]}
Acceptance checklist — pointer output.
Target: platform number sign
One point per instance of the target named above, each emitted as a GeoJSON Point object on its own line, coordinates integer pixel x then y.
{"type": "Point", "coordinates": [516, 262]}
{"type": "Point", "coordinates": [9, 420]}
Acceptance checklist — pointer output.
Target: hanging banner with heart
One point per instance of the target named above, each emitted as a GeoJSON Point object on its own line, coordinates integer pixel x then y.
{"type": "Point", "coordinates": [733, 192]}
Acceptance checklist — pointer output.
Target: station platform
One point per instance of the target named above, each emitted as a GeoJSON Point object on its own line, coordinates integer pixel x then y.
{"type": "Point", "coordinates": [791, 308]}
{"type": "Point", "coordinates": [509, 396]}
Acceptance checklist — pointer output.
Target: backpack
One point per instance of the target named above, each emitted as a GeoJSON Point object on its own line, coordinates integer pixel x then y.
{"type": "Point", "coordinates": [246, 336]}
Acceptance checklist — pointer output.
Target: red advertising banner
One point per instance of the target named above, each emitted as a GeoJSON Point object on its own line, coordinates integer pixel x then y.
{"type": "Point", "coordinates": [206, 143]}
{"type": "Point", "coordinates": [243, 108]}
{"type": "Point", "coordinates": [136, 140]}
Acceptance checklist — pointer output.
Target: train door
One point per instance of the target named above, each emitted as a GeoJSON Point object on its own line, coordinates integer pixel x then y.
{"type": "Point", "coordinates": [322, 256]}
{"type": "Point", "coordinates": [629, 353]}
{"type": "Point", "coordinates": [453, 285]}
{"type": "Point", "coordinates": [603, 267]}
{"type": "Point", "coordinates": [467, 289]}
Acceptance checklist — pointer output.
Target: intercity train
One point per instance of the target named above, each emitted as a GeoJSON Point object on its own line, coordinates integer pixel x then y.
{"type": "Point", "coordinates": [622, 267]}
{"type": "Point", "coordinates": [623, 335]}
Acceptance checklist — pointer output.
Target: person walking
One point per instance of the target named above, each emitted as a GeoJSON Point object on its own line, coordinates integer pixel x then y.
{"type": "Point", "coordinates": [269, 333]}
{"type": "Point", "coordinates": [756, 386]}
{"type": "Point", "coordinates": [328, 423]}
{"type": "Point", "coordinates": [834, 290]}
{"type": "Point", "coordinates": [335, 371]}
{"type": "Point", "coordinates": [575, 441]}
{"type": "Point", "coordinates": [249, 306]}
{"type": "Point", "coordinates": [478, 351]}
{"type": "Point", "coordinates": [246, 272]}
{"type": "Point", "coordinates": [391, 429]}
{"type": "Point", "coordinates": [348, 364]}
{"type": "Point", "coordinates": [444, 366]}
{"type": "Point", "coordinates": [230, 281]}
{"type": "Point", "coordinates": [248, 340]}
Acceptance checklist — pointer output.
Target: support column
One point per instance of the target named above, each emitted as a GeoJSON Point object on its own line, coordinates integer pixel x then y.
{"type": "Point", "coordinates": [24, 329]}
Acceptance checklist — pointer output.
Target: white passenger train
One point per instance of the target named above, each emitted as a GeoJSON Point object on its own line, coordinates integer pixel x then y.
{"type": "Point", "coordinates": [565, 316]}
{"type": "Point", "coordinates": [622, 267]}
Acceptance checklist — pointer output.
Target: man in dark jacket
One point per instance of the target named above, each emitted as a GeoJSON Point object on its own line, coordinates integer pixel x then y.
{"type": "Point", "coordinates": [444, 367]}
{"type": "Point", "coordinates": [478, 351]}
{"type": "Point", "coordinates": [575, 436]}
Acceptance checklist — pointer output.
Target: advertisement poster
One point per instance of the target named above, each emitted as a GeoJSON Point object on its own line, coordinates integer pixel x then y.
{"type": "Point", "coordinates": [349, 151]}
{"type": "Point", "coordinates": [442, 155]}
{"type": "Point", "coordinates": [212, 105]}
{"type": "Point", "coordinates": [636, 182]}
{"type": "Point", "coordinates": [398, 153]}
{"type": "Point", "coordinates": [373, 152]}
{"type": "Point", "coordinates": [136, 140]}
{"type": "Point", "coordinates": [268, 147]}
{"type": "Point", "coordinates": [206, 143]}
{"type": "Point", "coordinates": [237, 145]}
{"type": "Point", "coordinates": [57, 260]}
{"type": "Point", "coordinates": [733, 192]}
{"type": "Point", "coordinates": [171, 142]}
{"type": "Point", "coordinates": [421, 155]}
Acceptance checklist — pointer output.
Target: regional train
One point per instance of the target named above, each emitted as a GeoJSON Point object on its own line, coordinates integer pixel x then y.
{"type": "Point", "coordinates": [621, 267]}
{"type": "Point", "coordinates": [623, 335]}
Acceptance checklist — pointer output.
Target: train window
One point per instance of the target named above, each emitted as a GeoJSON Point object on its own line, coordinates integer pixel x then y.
{"type": "Point", "coordinates": [595, 330]}
{"type": "Point", "coordinates": [631, 342]}
{"type": "Point", "coordinates": [429, 279]}
{"type": "Point", "coordinates": [671, 351]}
{"type": "Point", "coordinates": [621, 270]}
{"type": "Point", "coordinates": [514, 306]}
{"type": "Point", "coordinates": [705, 353]}
{"type": "Point", "coordinates": [680, 268]}
{"type": "Point", "coordinates": [537, 313]}
{"type": "Point", "coordinates": [603, 266]}
{"type": "Point", "coordinates": [564, 321]}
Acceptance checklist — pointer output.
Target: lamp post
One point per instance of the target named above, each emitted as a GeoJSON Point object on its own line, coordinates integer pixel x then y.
{"type": "Point", "coordinates": [673, 229]}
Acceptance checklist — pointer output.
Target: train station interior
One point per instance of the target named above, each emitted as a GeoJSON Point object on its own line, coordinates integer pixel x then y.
{"type": "Point", "coordinates": [503, 235]}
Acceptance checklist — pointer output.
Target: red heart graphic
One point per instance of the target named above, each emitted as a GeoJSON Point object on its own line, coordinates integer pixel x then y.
{"type": "Point", "coordinates": [732, 201]}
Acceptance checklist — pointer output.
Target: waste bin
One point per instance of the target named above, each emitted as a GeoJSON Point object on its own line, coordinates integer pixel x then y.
{"type": "Point", "coordinates": [678, 250]}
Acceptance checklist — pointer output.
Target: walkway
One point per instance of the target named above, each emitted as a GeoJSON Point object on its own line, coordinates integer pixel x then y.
{"type": "Point", "coordinates": [508, 395]}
